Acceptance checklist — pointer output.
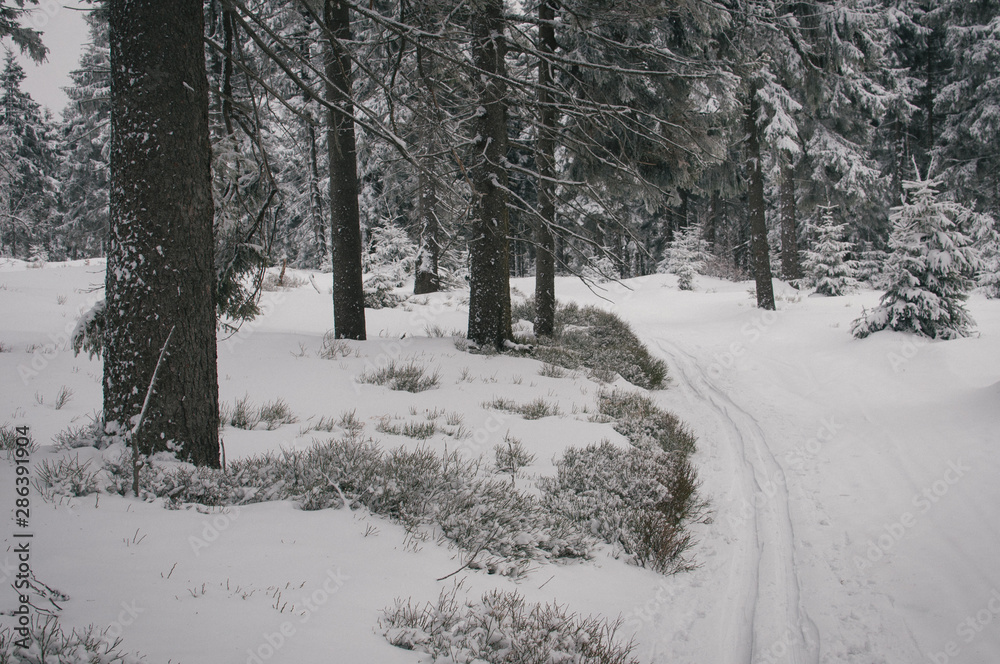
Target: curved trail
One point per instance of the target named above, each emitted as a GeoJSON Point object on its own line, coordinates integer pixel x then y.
{"type": "Point", "coordinates": [765, 620]}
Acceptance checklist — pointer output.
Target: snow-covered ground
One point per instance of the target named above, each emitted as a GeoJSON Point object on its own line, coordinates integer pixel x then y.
{"type": "Point", "coordinates": [853, 484]}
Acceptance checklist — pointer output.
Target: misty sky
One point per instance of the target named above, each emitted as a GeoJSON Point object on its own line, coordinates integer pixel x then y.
{"type": "Point", "coordinates": [64, 32]}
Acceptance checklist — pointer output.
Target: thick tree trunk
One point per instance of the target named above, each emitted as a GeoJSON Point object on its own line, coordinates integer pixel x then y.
{"type": "Point", "coordinates": [161, 272]}
{"type": "Point", "coordinates": [545, 264]}
{"type": "Point", "coordinates": [760, 257]}
{"type": "Point", "coordinates": [790, 265]}
{"type": "Point", "coordinates": [489, 298]}
{"type": "Point", "coordinates": [348, 288]}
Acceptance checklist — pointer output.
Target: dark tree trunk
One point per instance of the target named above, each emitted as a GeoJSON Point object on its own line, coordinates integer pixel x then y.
{"type": "Point", "coordinates": [489, 298]}
{"type": "Point", "coordinates": [760, 257]}
{"type": "Point", "coordinates": [545, 264]}
{"type": "Point", "coordinates": [161, 273]}
{"type": "Point", "coordinates": [348, 288]}
{"type": "Point", "coordinates": [790, 265]}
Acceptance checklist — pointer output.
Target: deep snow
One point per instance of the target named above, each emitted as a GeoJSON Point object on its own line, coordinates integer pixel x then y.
{"type": "Point", "coordinates": [852, 483]}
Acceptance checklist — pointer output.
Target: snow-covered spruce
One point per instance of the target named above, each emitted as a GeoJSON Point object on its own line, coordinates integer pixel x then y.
{"type": "Point", "coordinates": [931, 269]}
{"type": "Point", "coordinates": [987, 235]}
{"type": "Point", "coordinates": [686, 256]}
{"type": "Point", "coordinates": [826, 265]}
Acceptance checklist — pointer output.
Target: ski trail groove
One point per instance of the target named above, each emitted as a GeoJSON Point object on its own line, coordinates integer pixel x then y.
{"type": "Point", "coordinates": [766, 621]}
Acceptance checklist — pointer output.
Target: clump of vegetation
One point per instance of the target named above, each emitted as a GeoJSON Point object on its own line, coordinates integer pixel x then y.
{"type": "Point", "coordinates": [533, 410]}
{"type": "Point", "coordinates": [510, 456]}
{"type": "Point", "coordinates": [8, 441]}
{"type": "Point", "coordinates": [638, 418]}
{"type": "Point", "coordinates": [426, 492]}
{"type": "Point", "coordinates": [591, 338]}
{"type": "Point", "coordinates": [408, 377]}
{"type": "Point", "coordinates": [65, 477]}
{"type": "Point", "coordinates": [49, 643]}
{"type": "Point", "coordinates": [333, 347]}
{"type": "Point", "coordinates": [637, 498]}
{"type": "Point", "coordinates": [90, 434]}
{"type": "Point", "coordinates": [418, 430]}
{"type": "Point", "coordinates": [243, 414]}
{"type": "Point", "coordinates": [503, 629]}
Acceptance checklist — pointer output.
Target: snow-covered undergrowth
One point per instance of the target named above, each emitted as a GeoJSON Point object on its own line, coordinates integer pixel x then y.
{"type": "Point", "coordinates": [850, 484]}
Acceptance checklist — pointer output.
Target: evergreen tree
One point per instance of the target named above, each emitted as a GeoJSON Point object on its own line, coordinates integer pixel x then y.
{"type": "Point", "coordinates": [26, 39]}
{"type": "Point", "coordinates": [967, 155]}
{"type": "Point", "coordinates": [826, 263]}
{"type": "Point", "coordinates": [987, 235]}
{"type": "Point", "coordinates": [26, 217]}
{"type": "Point", "coordinates": [84, 143]}
{"type": "Point", "coordinates": [931, 269]}
{"type": "Point", "coordinates": [686, 256]}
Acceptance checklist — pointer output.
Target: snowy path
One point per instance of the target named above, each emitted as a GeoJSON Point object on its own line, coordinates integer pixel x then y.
{"type": "Point", "coordinates": [765, 620]}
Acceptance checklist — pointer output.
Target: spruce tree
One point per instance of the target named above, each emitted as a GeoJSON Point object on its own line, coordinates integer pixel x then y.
{"type": "Point", "coordinates": [826, 263]}
{"type": "Point", "coordinates": [931, 269]}
{"type": "Point", "coordinates": [686, 256]}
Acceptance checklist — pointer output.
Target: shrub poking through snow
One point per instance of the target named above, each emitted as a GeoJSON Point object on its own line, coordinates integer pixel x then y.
{"type": "Point", "coordinates": [503, 629]}
{"type": "Point", "coordinates": [408, 377]}
{"type": "Point", "coordinates": [637, 498]}
{"type": "Point", "coordinates": [636, 417]}
{"type": "Point", "coordinates": [65, 477]}
{"type": "Point", "coordinates": [591, 338]}
{"type": "Point", "coordinates": [8, 441]}
{"type": "Point", "coordinates": [510, 456]}
{"type": "Point", "coordinates": [533, 410]}
{"type": "Point", "coordinates": [49, 644]}
{"type": "Point", "coordinates": [243, 414]}
{"type": "Point", "coordinates": [418, 488]}
{"type": "Point", "coordinates": [930, 272]}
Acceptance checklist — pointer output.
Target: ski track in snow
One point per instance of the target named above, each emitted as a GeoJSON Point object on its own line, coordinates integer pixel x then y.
{"type": "Point", "coordinates": [766, 620]}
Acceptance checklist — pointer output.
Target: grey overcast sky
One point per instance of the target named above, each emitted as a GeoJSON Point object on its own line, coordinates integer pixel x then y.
{"type": "Point", "coordinates": [64, 33]}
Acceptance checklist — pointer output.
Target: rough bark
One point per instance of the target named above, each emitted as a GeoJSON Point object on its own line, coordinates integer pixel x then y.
{"type": "Point", "coordinates": [315, 200]}
{"type": "Point", "coordinates": [790, 264]}
{"type": "Point", "coordinates": [427, 278]}
{"type": "Point", "coordinates": [348, 288]}
{"type": "Point", "coordinates": [760, 257]}
{"type": "Point", "coordinates": [489, 297]}
{"type": "Point", "coordinates": [160, 272]}
{"type": "Point", "coordinates": [545, 264]}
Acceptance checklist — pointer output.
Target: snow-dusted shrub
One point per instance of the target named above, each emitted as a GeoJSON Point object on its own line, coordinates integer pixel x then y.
{"type": "Point", "coordinates": [532, 410]}
{"type": "Point", "coordinates": [404, 376]}
{"type": "Point", "coordinates": [49, 644]}
{"type": "Point", "coordinates": [598, 340]}
{"type": "Point", "coordinates": [930, 271]}
{"type": "Point", "coordinates": [510, 456]}
{"type": "Point", "coordinates": [8, 441]}
{"type": "Point", "coordinates": [826, 265]}
{"type": "Point", "coordinates": [179, 483]}
{"type": "Point", "coordinates": [600, 268]}
{"type": "Point", "coordinates": [639, 419]}
{"type": "Point", "coordinates": [65, 477]}
{"type": "Point", "coordinates": [637, 498]}
{"type": "Point", "coordinates": [387, 264]}
{"type": "Point", "coordinates": [986, 231]}
{"type": "Point", "coordinates": [503, 629]}
{"type": "Point", "coordinates": [90, 434]}
{"type": "Point", "coordinates": [275, 413]}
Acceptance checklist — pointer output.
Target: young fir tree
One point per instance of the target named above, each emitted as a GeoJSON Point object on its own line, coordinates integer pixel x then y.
{"type": "Point", "coordinates": [931, 269]}
{"type": "Point", "coordinates": [826, 265]}
{"type": "Point", "coordinates": [686, 256]}
{"type": "Point", "coordinates": [987, 234]}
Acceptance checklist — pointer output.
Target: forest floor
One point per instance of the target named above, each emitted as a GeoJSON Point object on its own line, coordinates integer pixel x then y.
{"type": "Point", "coordinates": [852, 485]}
